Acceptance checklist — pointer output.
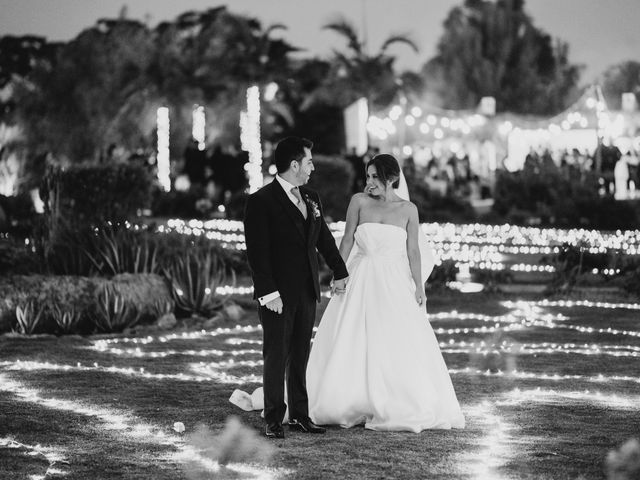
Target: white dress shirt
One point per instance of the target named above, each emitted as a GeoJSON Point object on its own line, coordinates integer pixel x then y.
{"type": "Point", "coordinates": [286, 186]}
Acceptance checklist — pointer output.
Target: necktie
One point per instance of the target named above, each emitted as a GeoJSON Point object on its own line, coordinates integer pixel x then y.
{"type": "Point", "coordinates": [295, 191]}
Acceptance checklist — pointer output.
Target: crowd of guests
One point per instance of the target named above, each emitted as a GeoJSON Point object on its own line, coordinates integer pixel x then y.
{"type": "Point", "coordinates": [220, 172]}
{"type": "Point", "coordinates": [618, 171]}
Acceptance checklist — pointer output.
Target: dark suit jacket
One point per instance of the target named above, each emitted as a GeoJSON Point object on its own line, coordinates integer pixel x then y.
{"type": "Point", "coordinates": [282, 246]}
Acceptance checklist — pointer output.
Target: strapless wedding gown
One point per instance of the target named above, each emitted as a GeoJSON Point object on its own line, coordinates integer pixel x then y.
{"type": "Point", "coordinates": [375, 359]}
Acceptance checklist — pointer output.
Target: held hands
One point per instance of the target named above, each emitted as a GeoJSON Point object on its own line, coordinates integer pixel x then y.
{"type": "Point", "coordinates": [338, 287]}
{"type": "Point", "coordinates": [275, 305]}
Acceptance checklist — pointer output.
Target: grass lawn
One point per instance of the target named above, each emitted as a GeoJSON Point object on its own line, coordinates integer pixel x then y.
{"type": "Point", "coordinates": [546, 394]}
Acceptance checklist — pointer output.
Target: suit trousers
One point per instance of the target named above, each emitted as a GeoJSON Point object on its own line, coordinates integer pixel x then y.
{"type": "Point", "coordinates": [286, 347]}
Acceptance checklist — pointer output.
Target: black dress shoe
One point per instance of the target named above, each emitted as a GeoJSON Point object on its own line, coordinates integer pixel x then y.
{"type": "Point", "coordinates": [274, 430]}
{"type": "Point", "coordinates": [306, 426]}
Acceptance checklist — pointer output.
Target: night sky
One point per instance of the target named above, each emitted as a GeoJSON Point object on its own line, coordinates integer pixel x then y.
{"type": "Point", "coordinates": [600, 32]}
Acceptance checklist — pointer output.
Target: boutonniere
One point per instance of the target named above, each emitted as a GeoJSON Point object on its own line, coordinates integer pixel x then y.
{"type": "Point", "coordinates": [314, 206]}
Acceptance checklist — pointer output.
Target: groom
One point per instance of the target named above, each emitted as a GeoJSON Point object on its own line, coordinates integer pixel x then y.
{"type": "Point", "coordinates": [284, 229]}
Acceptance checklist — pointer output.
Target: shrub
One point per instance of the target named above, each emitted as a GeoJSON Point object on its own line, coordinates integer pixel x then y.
{"type": "Point", "coordinates": [556, 198]}
{"type": "Point", "coordinates": [194, 279]}
{"type": "Point", "coordinates": [148, 293]}
{"type": "Point", "coordinates": [20, 214]}
{"type": "Point", "coordinates": [332, 179]}
{"type": "Point", "coordinates": [236, 205]}
{"type": "Point", "coordinates": [491, 279]}
{"type": "Point", "coordinates": [173, 245]}
{"type": "Point", "coordinates": [17, 258]}
{"type": "Point", "coordinates": [112, 313]}
{"type": "Point", "coordinates": [66, 318]}
{"type": "Point", "coordinates": [571, 262]}
{"type": "Point", "coordinates": [175, 204]}
{"type": "Point", "coordinates": [629, 277]}
{"type": "Point", "coordinates": [28, 317]}
{"type": "Point", "coordinates": [66, 253]}
{"type": "Point", "coordinates": [441, 274]}
{"type": "Point", "coordinates": [96, 193]}
{"type": "Point", "coordinates": [433, 207]}
{"type": "Point", "coordinates": [85, 195]}
{"type": "Point", "coordinates": [121, 250]}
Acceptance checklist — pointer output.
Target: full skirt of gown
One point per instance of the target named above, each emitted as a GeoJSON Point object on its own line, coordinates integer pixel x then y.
{"type": "Point", "coordinates": [375, 359]}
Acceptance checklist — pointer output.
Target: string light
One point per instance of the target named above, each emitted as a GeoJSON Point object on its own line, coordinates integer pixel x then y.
{"type": "Point", "coordinates": [126, 424]}
{"type": "Point", "coordinates": [507, 347]}
{"type": "Point", "coordinates": [52, 455]}
{"type": "Point", "coordinates": [447, 236]}
{"type": "Point", "coordinates": [238, 367]}
{"type": "Point", "coordinates": [518, 396]}
{"type": "Point", "coordinates": [163, 157]}
{"type": "Point", "coordinates": [101, 344]}
{"type": "Point", "coordinates": [520, 375]}
{"type": "Point", "coordinates": [495, 442]}
{"type": "Point", "coordinates": [199, 126]}
{"type": "Point", "coordinates": [250, 138]}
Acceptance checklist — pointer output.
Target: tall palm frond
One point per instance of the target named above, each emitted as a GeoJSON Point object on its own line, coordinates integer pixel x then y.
{"type": "Point", "coordinates": [346, 29]}
{"type": "Point", "coordinates": [399, 39]}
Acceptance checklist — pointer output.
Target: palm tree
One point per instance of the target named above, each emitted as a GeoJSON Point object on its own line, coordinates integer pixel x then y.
{"type": "Point", "coordinates": [355, 74]}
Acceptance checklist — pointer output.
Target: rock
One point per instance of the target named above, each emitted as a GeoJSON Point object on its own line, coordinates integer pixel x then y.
{"type": "Point", "coordinates": [149, 293]}
{"type": "Point", "coordinates": [167, 321]}
{"type": "Point", "coordinates": [233, 311]}
{"type": "Point", "coordinates": [213, 322]}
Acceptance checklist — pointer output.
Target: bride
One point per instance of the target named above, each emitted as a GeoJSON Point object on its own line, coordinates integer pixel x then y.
{"type": "Point", "coordinates": [375, 359]}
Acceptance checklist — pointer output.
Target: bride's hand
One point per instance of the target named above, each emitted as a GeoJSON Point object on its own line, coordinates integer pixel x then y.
{"type": "Point", "coordinates": [421, 297]}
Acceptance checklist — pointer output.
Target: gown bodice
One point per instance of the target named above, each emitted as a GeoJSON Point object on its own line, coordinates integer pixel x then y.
{"type": "Point", "coordinates": [381, 240]}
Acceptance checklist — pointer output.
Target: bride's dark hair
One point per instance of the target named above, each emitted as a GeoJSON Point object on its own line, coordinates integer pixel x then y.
{"type": "Point", "coordinates": [387, 168]}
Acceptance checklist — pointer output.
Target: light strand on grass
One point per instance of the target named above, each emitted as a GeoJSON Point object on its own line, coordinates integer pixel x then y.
{"type": "Point", "coordinates": [587, 304]}
{"type": "Point", "coordinates": [206, 372]}
{"type": "Point", "coordinates": [240, 341]}
{"type": "Point", "coordinates": [52, 455]}
{"type": "Point", "coordinates": [211, 370]}
{"type": "Point", "coordinates": [27, 366]}
{"type": "Point", "coordinates": [138, 353]}
{"type": "Point", "coordinates": [127, 425]}
{"type": "Point", "coordinates": [520, 375]}
{"type": "Point", "coordinates": [114, 420]}
{"type": "Point", "coordinates": [179, 336]}
{"type": "Point", "coordinates": [483, 347]}
{"type": "Point", "coordinates": [495, 442]}
{"type": "Point", "coordinates": [517, 396]}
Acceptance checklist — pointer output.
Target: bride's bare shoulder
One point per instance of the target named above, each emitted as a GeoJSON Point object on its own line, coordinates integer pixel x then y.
{"type": "Point", "coordinates": [408, 205]}
{"type": "Point", "coordinates": [360, 197]}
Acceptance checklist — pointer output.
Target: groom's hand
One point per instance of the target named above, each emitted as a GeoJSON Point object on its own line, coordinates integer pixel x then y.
{"type": "Point", "coordinates": [275, 305]}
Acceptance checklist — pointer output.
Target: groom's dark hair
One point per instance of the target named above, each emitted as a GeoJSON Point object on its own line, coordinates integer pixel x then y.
{"type": "Point", "coordinates": [290, 149]}
{"type": "Point", "coordinates": [387, 168]}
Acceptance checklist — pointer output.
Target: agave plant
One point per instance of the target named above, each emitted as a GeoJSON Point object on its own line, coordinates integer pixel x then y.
{"type": "Point", "coordinates": [112, 312]}
{"type": "Point", "coordinates": [66, 319]}
{"type": "Point", "coordinates": [116, 250]}
{"type": "Point", "coordinates": [28, 317]}
{"type": "Point", "coordinates": [160, 308]}
{"type": "Point", "coordinates": [194, 279]}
